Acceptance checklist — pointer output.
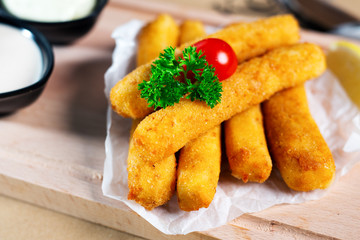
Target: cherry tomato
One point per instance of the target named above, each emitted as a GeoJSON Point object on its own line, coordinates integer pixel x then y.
{"type": "Point", "coordinates": [220, 55]}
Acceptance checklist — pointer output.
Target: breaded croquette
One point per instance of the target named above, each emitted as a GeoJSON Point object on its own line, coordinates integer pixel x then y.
{"type": "Point", "coordinates": [150, 185]}
{"type": "Point", "coordinates": [199, 160]}
{"type": "Point", "coordinates": [190, 30]}
{"type": "Point", "coordinates": [198, 171]}
{"type": "Point", "coordinates": [246, 147]}
{"type": "Point", "coordinates": [164, 132]}
{"type": "Point", "coordinates": [155, 37]}
{"type": "Point", "coordinates": [247, 40]}
{"type": "Point", "coordinates": [295, 142]}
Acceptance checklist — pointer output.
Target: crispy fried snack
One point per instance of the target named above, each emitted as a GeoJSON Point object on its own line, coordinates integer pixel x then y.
{"type": "Point", "coordinates": [246, 147]}
{"type": "Point", "coordinates": [190, 30]}
{"type": "Point", "coordinates": [155, 37]}
{"type": "Point", "coordinates": [165, 131]}
{"type": "Point", "coordinates": [198, 171]}
{"type": "Point", "coordinates": [296, 144]}
{"type": "Point", "coordinates": [150, 185]}
{"type": "Point", "coordinates": [247, 40]}
{"type": "Point", "coordinates": [199, 160]}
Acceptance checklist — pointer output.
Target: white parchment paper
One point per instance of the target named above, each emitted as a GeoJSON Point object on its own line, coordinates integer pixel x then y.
{"type": "Point", "coordinates": [337, 117]}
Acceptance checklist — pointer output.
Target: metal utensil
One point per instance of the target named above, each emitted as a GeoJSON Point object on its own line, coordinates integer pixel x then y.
{"type": "Point", "coordinates": [323, 16]}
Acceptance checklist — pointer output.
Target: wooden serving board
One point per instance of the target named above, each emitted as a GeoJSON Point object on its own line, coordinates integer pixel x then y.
{"type": "Point", "coordinates": [52, 152]}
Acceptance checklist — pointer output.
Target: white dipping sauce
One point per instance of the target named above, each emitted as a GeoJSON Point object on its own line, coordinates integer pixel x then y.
{"type": "Point", "coordinates": [20, 59]}
{"type": "Point", "coordinates": [50, 10]}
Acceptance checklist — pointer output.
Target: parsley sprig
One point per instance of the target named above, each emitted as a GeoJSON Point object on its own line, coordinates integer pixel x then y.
{"type": "Point", "coordinates": [164, 88]}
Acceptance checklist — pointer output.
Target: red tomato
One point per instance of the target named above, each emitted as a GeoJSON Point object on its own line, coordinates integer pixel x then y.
{"type": "Point", "coordinates": [220, 55]}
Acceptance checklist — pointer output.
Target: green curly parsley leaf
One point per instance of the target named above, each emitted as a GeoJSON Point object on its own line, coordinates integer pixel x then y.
{"type": "Point", "coordinates": [164, 90]}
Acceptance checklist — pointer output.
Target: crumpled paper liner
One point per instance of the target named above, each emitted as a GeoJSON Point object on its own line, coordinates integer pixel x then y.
{"type": "Point", "coordinates": [337, 117]}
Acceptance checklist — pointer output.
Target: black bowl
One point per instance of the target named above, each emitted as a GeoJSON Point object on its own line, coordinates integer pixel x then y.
{"type": "Point", "coordinates": [17, 99]}
{"type": "Point", "coordinates": [63, 32]}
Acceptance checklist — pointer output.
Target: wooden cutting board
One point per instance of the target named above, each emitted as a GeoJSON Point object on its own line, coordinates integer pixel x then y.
{"type": "Point", "coordinates": [52, 152]}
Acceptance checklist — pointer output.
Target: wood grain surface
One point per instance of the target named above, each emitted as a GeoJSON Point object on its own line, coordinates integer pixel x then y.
{"type": "Point", "coordinates": [52, 152]}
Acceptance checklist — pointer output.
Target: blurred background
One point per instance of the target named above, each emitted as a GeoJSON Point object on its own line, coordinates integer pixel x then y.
{"type": "Point", "coordinates": [258, 7]}
{"type": "Point", "coordinates": [321, 15]}
{"type": "Point", "coordinates": [261, 7]}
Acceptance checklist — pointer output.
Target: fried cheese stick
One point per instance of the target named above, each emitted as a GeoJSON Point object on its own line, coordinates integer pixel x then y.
{"type": "Point", "coordinates": [247, 40]}
{"type": "Point", "coordinates": [152, 185]}
{"type": "Point", "coordinates": [155, 37]}
{"type": "Point", "coordinates": [246, 147]}
{"type": "Point", "coordinates": [295, 142]}
{"type": "Point", "coordinates": [199, 160]}
{"type": "Point", "coordinates": [164, 132]}
{"type": "Point", "coordinates": [152, 40]}
{"type": "Point", "coordinates": [190, 30]}
{"type": "Point", "coordinates": [198, 171]}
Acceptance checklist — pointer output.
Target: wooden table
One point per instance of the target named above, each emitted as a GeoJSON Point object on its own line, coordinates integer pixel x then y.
{"type": "Point", "coordinates": [52, 153]}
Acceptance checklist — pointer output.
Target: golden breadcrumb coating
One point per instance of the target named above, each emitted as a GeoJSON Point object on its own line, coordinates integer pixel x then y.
{"type": "Point", "coordinates": [191, 30]}
{"type": "Point", "coordinates": [155, 37]}
{"type": "Point", "coordinates": [248, 40]}
{"type": "Point", "coordinates": [150, 185]}
{"type": "Point", "coordinates": [198, 171]}
{"type": "Point", "coordinates": [164, 132]}
{"type": "Point", "coordinates": [199, 160]}
{"type": "Point", "coordinates": [295, 142]}
{"type": "Point", "coordinates": [246, 147]}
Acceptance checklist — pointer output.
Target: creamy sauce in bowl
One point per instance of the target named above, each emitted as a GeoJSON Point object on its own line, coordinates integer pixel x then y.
{"type": "Point", "coordinates": [20, 59]}
{"type": "Point", "coordinates": [50, 10]}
